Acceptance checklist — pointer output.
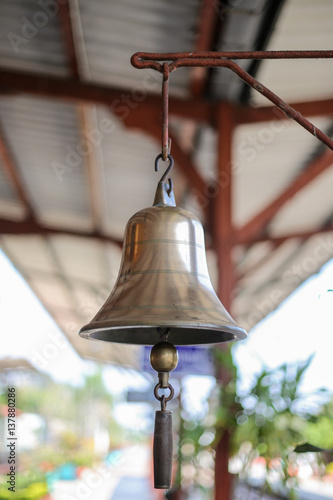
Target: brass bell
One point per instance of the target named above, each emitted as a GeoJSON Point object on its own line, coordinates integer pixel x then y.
{"type": "Point", "coordinates": [163, 282]}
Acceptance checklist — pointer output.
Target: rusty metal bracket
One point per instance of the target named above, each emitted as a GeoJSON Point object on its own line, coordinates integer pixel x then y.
{"type": "Point", "coordinates": [165, 112]}
{"type": "Point", "coordinates": [176, 60]}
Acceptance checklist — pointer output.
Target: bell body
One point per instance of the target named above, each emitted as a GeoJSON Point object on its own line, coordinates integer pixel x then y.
{"type": "Point", "coordinates": [163, 282]}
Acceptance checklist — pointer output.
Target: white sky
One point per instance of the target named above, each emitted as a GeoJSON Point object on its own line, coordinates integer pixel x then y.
{"type": "Point", "coordinates": [28, 331]}
{"type": "Point", "coordinates": [302, 325]}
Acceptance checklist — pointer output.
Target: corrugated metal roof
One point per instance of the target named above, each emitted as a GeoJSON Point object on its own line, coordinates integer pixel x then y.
{"type": "Point", "coordinates": [240, 24]}
{"type": "Point", "coordinates": [129, 178]}
{"type": "Point", "coordinates": [30, 37]}
{"type": "Point", "coordinates": [6, 191]}
{"type": "Point", "coordinates": [303, 24]}
{"type": "Point", "coordinates": [311, 208]}
{"type": "Point", "coordinates": [267, 158]}
{"type": "Point", "coordinates": [100, 189]}
{"type": "Point", "coordinates": [114, 31]}
{"type": "Point", "coordinates": [45, 138]}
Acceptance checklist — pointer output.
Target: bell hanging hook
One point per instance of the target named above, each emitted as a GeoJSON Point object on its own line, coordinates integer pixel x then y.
{"type": "Point", "coordinates": [166, 173]}
{"type": "Point", "coordinates": [166, 142]}
{"type": "Point", "coordinates": [165, 112]}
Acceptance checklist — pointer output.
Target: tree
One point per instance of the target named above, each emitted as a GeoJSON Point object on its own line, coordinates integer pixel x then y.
{"type": "Point", "coordinates": [263, 423]}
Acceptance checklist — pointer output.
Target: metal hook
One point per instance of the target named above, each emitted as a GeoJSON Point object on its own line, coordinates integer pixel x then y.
{"type": "Point", "coordinates": [168, 170]}
{"type": "Point", "coordinates": [164, 334]}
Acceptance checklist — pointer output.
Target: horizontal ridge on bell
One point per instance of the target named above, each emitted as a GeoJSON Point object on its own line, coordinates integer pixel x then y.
{"type": "Point", "coordinates": [163, 282]}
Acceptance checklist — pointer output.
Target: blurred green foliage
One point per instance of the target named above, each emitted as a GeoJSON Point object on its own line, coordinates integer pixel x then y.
{"type": "Point", "coordinates": [273, 416]}
{"type": "Point", "coordinates": [65, 433]}
{"type": "Point", "coordinates": [320, 431]}
{"type": "Point", "coordinates": [34, 491]}
{"type": "Point", "coordinates": [265, 422]}
{"type": "Point", "coordinates": [30, 485]}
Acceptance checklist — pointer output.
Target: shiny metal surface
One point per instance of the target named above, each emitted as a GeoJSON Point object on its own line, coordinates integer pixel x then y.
{"type": "Point", "coordinates": [163, 357]}
{"type": "Point", "coordinates": [163, 450]}
{"type": "Point", "coordinates": [163, 282]}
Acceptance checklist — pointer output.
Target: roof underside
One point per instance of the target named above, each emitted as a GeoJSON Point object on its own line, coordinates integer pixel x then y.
{"type": "Point", "coordinates": [75, 165]}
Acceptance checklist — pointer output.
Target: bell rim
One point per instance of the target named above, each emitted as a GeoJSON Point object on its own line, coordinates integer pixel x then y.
{"type": "Point", "coordinates": [91, 328]}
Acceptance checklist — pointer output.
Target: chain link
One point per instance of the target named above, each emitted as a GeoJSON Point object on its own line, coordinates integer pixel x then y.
{"type": "Point", "coordinates": [164, 400]}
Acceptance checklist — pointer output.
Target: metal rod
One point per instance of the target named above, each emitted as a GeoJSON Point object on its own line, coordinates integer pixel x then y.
{"type": "Point", "coordinates": [152, 60]}
{"type": "Point", "coordinates": [224, 59]}
{"type": "Point", "coordinates": [279, 103]}
{"type": "Point", "coordinates": [165, 112]}
{"type": "Point", "coordinates": [163, 450]}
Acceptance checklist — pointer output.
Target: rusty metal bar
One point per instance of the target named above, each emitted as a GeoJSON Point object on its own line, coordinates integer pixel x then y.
{"type": "Point", "coordinates": [225, 59]}
{"type": "Point", "coordinates": [152, 60]}
{"type": "Point", "coordinates": [165, 112]}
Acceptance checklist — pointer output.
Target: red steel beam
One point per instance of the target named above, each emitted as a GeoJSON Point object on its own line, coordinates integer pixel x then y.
{"type": "Point", "coordinates": [222, 243]}
{"type": "Point", "coordinates": [33, 227]}
{"type": "Point", "coordinates": [12, 82]}
{"type": "Point", "coordinates": [13, 174]}
{"type": "Point", "coordinates": [302, 235]}
{"type": "Point", "coordinates": [256, 226]}
{"type": "Point", "coordinates": [247, 114]}
{"type": "Point", "coordinates": [223, 481]}
{"type": "Point", "coordinates": [221, 205]}
{"type": "Point", "coordinates": [13, 227]}
{"type": "Point", "coordinates": [205, 34]}
{"type": "Point", "coordinates": [68, 36]}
